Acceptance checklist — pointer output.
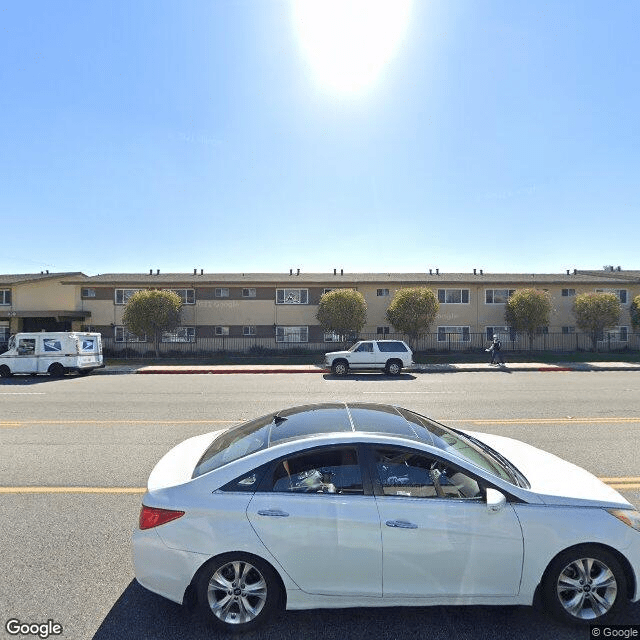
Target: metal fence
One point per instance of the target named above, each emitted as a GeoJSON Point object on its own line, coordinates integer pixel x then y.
{"type": "Point", "coordinates": [431, 343]}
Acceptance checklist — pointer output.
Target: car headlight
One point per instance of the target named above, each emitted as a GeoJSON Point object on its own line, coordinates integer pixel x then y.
{"type": "Point", "coordinates": [628, 516]}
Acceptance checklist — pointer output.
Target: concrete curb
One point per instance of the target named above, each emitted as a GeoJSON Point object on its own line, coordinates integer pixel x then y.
{"type": "Point", "coordinates": [419, 369]}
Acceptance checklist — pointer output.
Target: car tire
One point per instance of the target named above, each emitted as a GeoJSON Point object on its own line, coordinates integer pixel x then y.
{"type": "Point", "coordinates": [238, 592]}
{"type": "Point", "coordinates": [56, 370]}
{"type": "Point", "coordinates": [5, 372]}
{"type": "Point", "coordinates": [585, 585]}
{"type": "Point", "coordinates": [393, 368]}
{"type": "Point", "coordinates": [340, 368]}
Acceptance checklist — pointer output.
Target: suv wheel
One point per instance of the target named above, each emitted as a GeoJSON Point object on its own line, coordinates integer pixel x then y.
{"type": "Point", "coordinates": [340, 368]}
{"type": "Point", "coordinates": [393, 368]}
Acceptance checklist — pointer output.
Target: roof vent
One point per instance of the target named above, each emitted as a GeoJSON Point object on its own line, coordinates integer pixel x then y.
{"type": "Point", "coordinates": [341, 272]}
{"type": "Point", "coordinates": [298, 272]}
{"type": "Point", "coordinates": [335, 272]}
{"type": "Point", "coordinates": [150, 272]}
{"type": "Point", "coordinates": [437, 271]}
{"type": "Point", "coordinates": [290, 272]}
{"type": "Point", "coordinates": [157, 272]}
{"type": "Point", "coordinates": [195, 272]}
{"type": "Point", "coordinates": [474, 272]}
{"type": "Point", "coordinates": [481, 272]}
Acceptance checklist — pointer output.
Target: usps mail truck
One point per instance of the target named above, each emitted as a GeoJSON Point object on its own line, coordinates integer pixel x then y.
{"type": "Point", "coordinates": [55, 353]}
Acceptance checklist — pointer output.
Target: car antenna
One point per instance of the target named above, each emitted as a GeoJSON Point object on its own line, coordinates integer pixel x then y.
{"type": "Point", "coordinates": [279, 419]}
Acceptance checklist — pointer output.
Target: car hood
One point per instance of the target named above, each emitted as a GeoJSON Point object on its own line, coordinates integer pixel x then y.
{"type": "Point", "coordinates": [337, 353]}
{"type": "Point", "coordinates": [553, 479]}
{"type": "Point", "coordinates": [177, 465]}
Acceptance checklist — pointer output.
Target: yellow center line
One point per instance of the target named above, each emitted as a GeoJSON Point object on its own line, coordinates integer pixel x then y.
{"type": "Point", "coordinates": [623, 483]}
{"type": "Point", "coordinates": [548, 421]}
{"type": "Point", "coordinates": [23, 423]}
{"type": "Point", "coordinates": [72, 489]}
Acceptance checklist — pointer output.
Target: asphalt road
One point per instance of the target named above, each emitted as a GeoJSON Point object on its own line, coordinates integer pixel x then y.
{"type": "Point", "coordinates": [65, 555]}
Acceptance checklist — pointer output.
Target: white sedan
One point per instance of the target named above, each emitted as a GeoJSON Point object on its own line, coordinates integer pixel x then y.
{"type": "Point", "coordinates": [365, 505]}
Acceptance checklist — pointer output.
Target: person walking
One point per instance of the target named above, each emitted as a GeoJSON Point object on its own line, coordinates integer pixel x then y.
{"type": "Point", "coordinates": [496, 351]}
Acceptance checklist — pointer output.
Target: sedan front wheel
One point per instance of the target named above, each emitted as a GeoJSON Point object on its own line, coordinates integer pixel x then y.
{"type": "Point", "coordinates": [585, 585]}
{"type": "Point", "coordinates": [238, 592]}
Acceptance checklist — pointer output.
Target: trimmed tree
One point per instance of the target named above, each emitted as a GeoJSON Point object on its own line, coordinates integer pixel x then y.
{"type": "Point", "coordinates": [528, 310]}
{"type": "Point", "coordinates": [635, 313]}
{"type": "Point", "coordinates": [152, 312]}
{"type": "Point", "coordinates": [412, 311]}
{"type": "Point", "coordinates": [342, 311]}
{"type": "Point", "coordinates": [594, 312]}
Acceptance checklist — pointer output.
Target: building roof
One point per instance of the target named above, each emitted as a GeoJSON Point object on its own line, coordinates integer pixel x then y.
{"type": "Point", "coordinates": [346, 279]}
{"type": "Point", "coordinates": [20, 278]}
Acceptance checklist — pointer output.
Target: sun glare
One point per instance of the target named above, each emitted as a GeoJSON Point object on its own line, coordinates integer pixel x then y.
{"type": "Point", "coordinates": [348, 42]}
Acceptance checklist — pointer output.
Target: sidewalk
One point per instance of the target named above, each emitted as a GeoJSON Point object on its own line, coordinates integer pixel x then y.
{"type": "Point", "coordinates": [418, 369]}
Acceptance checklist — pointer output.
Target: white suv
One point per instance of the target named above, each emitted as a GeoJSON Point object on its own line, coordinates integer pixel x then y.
{"type": "Point", "coordinates": [391, 356]}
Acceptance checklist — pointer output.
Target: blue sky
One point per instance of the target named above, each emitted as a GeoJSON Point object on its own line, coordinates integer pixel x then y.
{"type": "Point", "coordinates": [259, 135]}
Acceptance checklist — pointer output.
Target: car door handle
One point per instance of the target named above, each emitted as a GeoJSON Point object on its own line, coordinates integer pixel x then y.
{"type": "Point", "coordinates": [401, 524]}
{"type": "Point", "coordinates": [274, 513]}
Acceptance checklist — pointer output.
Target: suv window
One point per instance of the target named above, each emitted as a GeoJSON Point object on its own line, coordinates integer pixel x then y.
{"type": "Point", "coordinates": [321, 471]}
{"type": "Point", "coordinates": [391, 347]}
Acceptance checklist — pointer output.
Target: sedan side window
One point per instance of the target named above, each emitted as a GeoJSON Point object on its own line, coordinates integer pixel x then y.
{"type": "Point", "coordinates": [321, 471]}
{"type": "Point", "coordinates": [413, 475]}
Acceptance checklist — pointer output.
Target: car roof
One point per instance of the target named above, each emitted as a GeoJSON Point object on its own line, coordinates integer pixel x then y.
{"type": "Point", "coordinates": [304, 421]}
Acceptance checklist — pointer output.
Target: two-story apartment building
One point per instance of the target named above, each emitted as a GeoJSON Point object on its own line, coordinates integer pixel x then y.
{"type": "Point", "coordinates": [281, 307]}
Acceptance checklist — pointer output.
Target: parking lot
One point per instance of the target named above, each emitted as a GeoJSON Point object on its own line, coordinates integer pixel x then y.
{"type": "Point", "coordinates": [77, 453]}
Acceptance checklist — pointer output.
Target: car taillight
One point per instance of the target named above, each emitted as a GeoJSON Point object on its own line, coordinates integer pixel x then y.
{"type": "Point", "coordinates": [151, 517]}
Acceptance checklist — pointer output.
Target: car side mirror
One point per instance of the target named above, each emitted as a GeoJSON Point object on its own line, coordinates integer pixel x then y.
{"type": "Point", "coordinates": [495, 500]}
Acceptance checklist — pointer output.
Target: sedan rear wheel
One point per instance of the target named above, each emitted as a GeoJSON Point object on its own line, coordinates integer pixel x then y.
{"type": "Point", "coordinates": [5, 372]}
{"type": "Point", "coordinates": [585, 585]}
{"type": "Point", "coordinates": [238, 592]}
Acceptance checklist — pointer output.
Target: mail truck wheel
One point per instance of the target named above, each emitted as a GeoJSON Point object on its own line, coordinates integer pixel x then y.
{"type": "Point", "coordinates": [56, 370]}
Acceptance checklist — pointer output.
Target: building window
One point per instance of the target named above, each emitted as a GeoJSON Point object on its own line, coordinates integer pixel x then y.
{"type": "Point", "coordinates": [222, 292]}
{"type": "Point", "coordinates": [382, 331]}
{"type": "Point", "coordinates": [292, 296]}
{"type": "Point", "coordinates": [122, 335]}
{"type": "Point", "coordinates": [617, 334]}
{"type": "Point", "coordinates": [382, 292]}
{"type": "Point", "coordinates": [453, 296]}
{"type": "Point", "coordinates": [222, 331]}
{"type": "Point", "coordinates": [248, 293]}
{"type": "Point", "coordinates": [497, 296]}
{"type": "Point", "coordinates": [568, 293]}
{"type": "Point", "coordinates": [5, 296]}
{"type": "Point", "coordinates": [248, 330]}
{"type": "Point", "coordinates": [181, 334]}
{"type": "Point", "coordinates": [568, 330]}
{"type": "Point", "coordinates": [621, 293]}
{"type": "Point", "coordinates": [454, 334]}
{"type": "Point", "coordinates": [4, 334]}
{"type": "Point", "coordinates": [502, 332]}
{"type": "Point", "coordinates": [123, 295]}
{"type": "Point", "coordinates": [292, 334]}
{"type": "Point", "coordinates": [187, 296]}
{"type": "Point", "coordinates": [88, 293]}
